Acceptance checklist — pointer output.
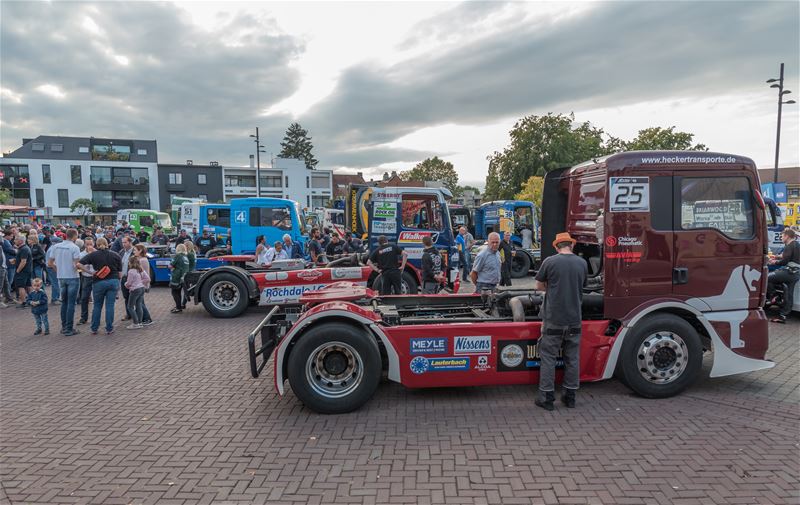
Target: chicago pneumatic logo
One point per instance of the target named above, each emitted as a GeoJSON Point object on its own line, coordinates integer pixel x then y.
{"type": "Point", "coordinates": [611, 241]}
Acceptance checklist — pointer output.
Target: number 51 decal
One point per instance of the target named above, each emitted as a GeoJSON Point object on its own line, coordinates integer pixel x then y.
{"type": "Point", "coordinates": [629, 194]}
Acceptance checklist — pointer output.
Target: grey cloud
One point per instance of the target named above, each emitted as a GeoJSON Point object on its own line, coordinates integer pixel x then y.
{"type": "Point", "coordinates": [612, 54]}
{"type": "Point", "coordinates": [371, 156]}
{"type": "Point", "coordinates": [199, 96]}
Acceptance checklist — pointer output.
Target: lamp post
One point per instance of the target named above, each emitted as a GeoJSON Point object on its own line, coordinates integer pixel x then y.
{"type": "Point", "coordinates": [781, 92]}
{"type": "Point", "coordinates": [259, 150]}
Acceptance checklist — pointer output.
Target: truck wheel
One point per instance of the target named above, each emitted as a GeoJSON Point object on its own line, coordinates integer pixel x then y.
{"type": "Point", "coordinates": [224, 295]}
{"type": "Point", "coordinates": [334, 368]}
{"type": "Point", "coordinates": [661, 357]}
{"type": "Point", "coordinates": [408, 284]}
{"type": "Point", "coordinates": [521, 265]}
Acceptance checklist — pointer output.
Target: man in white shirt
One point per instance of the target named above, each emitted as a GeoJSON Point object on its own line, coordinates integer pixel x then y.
{"type": "Point", "coordinates": [64, 258]}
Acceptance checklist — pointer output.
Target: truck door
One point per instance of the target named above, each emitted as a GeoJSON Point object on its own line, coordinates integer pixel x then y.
{"type": "Point", "coordinates": [719, 244]}
{"type": "Point", "coordinates": [523, 219]}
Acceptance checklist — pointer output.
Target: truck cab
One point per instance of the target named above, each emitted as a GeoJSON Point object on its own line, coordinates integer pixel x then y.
{"type": "Point", "coordinates": [146, 220]}
{"type": "Point", "coordinates": [271, 217]}
{"type": "Point", "coordinates": [461, 216]}
{"type": "Point", "coordinates": [212, 217]}
{"type": "Point", "coordinates": [405, 216]}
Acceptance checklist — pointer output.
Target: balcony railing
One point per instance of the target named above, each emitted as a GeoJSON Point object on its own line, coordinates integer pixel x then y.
{"type": "Point", "coordinates": [101, 182]}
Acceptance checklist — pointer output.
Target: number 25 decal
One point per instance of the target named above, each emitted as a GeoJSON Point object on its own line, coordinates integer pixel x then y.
{"type": "Point", "coordinates": [629, 195]}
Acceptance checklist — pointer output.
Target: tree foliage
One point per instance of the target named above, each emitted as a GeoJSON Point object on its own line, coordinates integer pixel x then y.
{"type": "Point", "coordinates": [657, 138]}
{"type": "Point", "coordinates": [434, 169]}
{"type": "Point", "coordinates": [532, 190]}
{"type": "Point", "coordinates": [540, 144]}
{"type": "Point", "coordinates": [83, 206]}
{"type": "Point", "coordinates": [5, 196]}
{"type": "Point", "coordinates": [297, 144]}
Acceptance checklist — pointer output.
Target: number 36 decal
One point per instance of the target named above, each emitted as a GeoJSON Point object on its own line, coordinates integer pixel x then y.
{"type": "Point", "coordinates": [630, 194]}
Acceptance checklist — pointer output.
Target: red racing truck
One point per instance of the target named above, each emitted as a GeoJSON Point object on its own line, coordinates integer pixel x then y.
{"type": "Point", "coordinates": [680, 270]}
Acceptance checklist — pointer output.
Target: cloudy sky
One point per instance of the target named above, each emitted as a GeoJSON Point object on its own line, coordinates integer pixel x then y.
{"type": "Point", "coordinates": [382, 85]}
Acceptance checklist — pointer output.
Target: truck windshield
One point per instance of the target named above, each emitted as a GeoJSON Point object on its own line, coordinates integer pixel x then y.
{"type": "Point", "coordinates": [422, 212]}
{"type": "Point", "coordinates": [523, 217]}
{"type": "Point", "coordinates": [146, 221]}
{"type": "Point", "coordinates": [219, 217]}
{"type": "Point", "coordinates": [164, 220]}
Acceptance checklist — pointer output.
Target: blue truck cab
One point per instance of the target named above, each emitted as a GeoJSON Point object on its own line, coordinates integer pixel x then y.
{"type": "Point", "coordinates": [271, 217]}
{"type": "Point", "coordinates": [405, 216]}
{"type": "Point", "coordinates": [513, 216]}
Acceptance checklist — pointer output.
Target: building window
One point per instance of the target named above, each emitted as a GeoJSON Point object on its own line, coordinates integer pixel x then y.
{"type": "Point", "coordinates": [46, 174]}
{"type": "Point", "coordinates": [111, 152]}
{"type": "Point", "coordinates": [75, 173]}
{"type": "Point", "coordinates": [57, 148]}
{"type": "Point", "coordinates": [287, 181]}
{"type": "Point", "coordinates": [141, 152]}
{"type": "Point", "coordinates": [175, 178]}
{"type": "Point", "coordinates": [201, 178]}
{"type": "Point", "coordinates": [37, 146]}
{"type": "Point", "coordinates": [308, 182]}
{"type": "Point", "coordinates": [271, 181]}
{"type": "Point", "coordinates": [319, 182]}
{"type": "Point", "coordinates": [203, 196]}
{"type": "Point", "coordinates": [39, 197]}
{"type": "Point", "coordinates": [83, 149]}
{"type": "Point", "coordinates": [240, 181]}
{"type": "Point", "coordinates": [63, 198]}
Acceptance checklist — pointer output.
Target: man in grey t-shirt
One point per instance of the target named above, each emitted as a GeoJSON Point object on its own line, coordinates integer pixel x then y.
{"type": "Point", "coordinates": [485, 272]}
{"type": "Point", "coordinates": [562, 278]}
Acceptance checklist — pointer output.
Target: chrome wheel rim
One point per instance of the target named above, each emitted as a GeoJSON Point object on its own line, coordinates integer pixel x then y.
{"type": "Point", "coordinates": [662, 357]}
{"type": "Point", "coordinates": [224, 295]}
{"type": "Point", "coordinates": [334, 370]}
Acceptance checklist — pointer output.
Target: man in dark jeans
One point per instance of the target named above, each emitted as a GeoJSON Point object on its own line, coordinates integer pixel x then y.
{"type": "Point", "coordinates": [385, 260]}
{"type": "Point", "coordinates": [562, 278]}
{"type": "Point", "coordinates": [788, 274]}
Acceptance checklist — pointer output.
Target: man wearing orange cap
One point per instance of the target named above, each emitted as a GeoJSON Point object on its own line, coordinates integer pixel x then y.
{"type": "Point", "coordinates": [562, 278]}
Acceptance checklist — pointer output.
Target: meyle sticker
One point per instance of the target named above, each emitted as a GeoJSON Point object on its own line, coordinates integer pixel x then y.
{"type": "Point", "coordinates": [472, 345]}
{"type": "Point", "coordinates": [346, 273]}
{"type": "Point", "coordinates": [452, 364]}
{"type": "Point", "coordinates": [437, 345]}
{"type": "Point", "coordinates": [629, 194]}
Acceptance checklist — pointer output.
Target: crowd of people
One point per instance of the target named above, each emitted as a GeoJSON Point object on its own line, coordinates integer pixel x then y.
{"type": "Point", "coordinates": [85, 265]}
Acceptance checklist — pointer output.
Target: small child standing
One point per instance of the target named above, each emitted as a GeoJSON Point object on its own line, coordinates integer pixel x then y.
{"type": "Point", "coordinates": [37, 299]}
{"type": "Point", "coordinates": [136, 282]}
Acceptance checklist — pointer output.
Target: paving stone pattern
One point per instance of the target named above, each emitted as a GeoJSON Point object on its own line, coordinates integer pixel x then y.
{"type": "Point", "coordinates": [170, 415]}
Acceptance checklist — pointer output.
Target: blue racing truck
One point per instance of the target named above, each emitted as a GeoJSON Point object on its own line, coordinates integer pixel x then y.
{"type": "Point", "coordinates": [518, 217]}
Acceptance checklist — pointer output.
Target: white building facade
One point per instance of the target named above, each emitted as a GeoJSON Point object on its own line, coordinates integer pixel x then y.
{"type": "Point", "coordinates": [114, 173]}
{"type": "Point", "coordinates": [281, 178]}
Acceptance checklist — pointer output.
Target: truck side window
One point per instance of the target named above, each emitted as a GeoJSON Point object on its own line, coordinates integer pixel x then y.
{"type": "Point", "coordinates": [219, 217]}
{"type": "Point", "coordinates": [722, 203]}
{"type": "Point", "coordinates": [422, 212]}
{"type": "Point", "coordinates": [523, 216]}
{"type": "Point", "coordinates": [146, 221]}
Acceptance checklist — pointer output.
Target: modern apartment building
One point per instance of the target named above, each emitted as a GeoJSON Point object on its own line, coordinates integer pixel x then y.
{"type": "Point", "coordinates": [114, 173]}
{"type": "Point", "coordinates": [189, 180]}
{"type": "Point", "coordinates": [281, 178]}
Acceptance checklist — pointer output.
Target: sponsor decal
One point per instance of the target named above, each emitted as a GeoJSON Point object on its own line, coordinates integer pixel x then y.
{"type": "Point", "coordinates": [623, 241]}
{"type": "Point", "coordinates": [510, 356]}
{"type": "Point", "coordinates": [521, 355]}
{"type": "Point", "coordinates": [437, 345]}
{"type": "Point", "coordinates": [629, 194]}
{"type": "Point", "coordinates": [384, 227]}
{"type": "Point", "coordinates": [285, 294]}
{"type": "Point", "coordinates": [385, 210]}
{"type": "Point", "coordinates": [483, 364]}
{"type": "Point", "coordinates": [420, 365]}
{"type": "Point", "coordinates": [414, 237]}
{"type": "Point", "coordinates": [346, 273]}
{"type": "Point", "coordinates": [472, 345]}
{"type": "Point", "coordinates": [309, 275]}
{"type": "Point", "coordinates": [625, 256]}
{"type": "Point", "coordinates": [276, 276]}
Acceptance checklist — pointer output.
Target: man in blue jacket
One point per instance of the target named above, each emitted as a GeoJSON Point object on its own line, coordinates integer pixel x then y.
{"type": "Point", "coordinates": [292, 249]}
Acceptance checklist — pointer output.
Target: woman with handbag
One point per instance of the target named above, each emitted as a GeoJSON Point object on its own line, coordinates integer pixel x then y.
{"type": "Point", "coordinates": [179, 267]}
{"type": "Point", "coordinates": [107, 271]}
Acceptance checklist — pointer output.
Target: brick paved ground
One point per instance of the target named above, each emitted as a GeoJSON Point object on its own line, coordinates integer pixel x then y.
{"type": "Point", "coordinates": [170, 415]}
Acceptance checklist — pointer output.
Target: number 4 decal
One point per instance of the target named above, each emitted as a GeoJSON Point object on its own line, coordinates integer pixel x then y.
{"type": "Point", "coordinates": [629, 194]}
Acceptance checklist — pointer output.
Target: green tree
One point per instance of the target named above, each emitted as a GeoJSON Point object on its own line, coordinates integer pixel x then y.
{"type": "Point", "coordinates": [434, 169]}
{"type": "Point", "coordinates": [532, 190]}
{"type": "Point", "coordinates": [297, 144]}
{"type": "Point", "coordinates": [5, 196]}
{"type": "Point", "coordinates": [540, 144]}
{"type": "Point", "coordinates": [83, 207]}
{"type": "Point", "coordinates": [657, 138]}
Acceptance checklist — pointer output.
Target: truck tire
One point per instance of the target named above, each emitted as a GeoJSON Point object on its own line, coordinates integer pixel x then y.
{"type": "Point", "coordinates": [224, 295]}
{"type": "Point", "coordinates": [521, 265]}
{"type": "Point", "coordinates": [334, 368]}
{"type": "Point", "coordinates": [408, 283]}
{"type": "Point", "coordinates": [213, 253]}
{"type": "Point", "coordinates": [661, 357]}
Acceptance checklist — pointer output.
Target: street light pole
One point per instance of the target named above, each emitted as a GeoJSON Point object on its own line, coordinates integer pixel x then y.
{"type": "Point", "coordinates": [259, 150]}
{"type": "Point", "coordinates": [781, 92]}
